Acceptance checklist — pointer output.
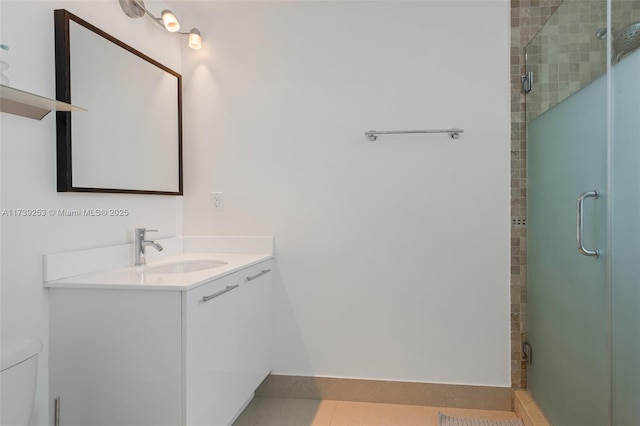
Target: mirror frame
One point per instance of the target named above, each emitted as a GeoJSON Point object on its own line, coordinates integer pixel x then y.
{"type": "Point", "coordinates": [63, 93]}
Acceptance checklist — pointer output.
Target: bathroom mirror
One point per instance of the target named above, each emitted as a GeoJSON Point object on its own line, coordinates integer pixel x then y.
{"type": "Point", "coordinates": [130, 138]}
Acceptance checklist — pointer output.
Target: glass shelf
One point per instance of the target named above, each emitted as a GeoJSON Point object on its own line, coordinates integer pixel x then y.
{"type": "Point", "coordinates": [18, 102]}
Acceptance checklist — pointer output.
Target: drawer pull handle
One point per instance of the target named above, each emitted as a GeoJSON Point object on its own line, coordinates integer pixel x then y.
{"type": "Point", "coordinates": [259, 274]}
{"type": "Point", "coordinates": [220, 293]}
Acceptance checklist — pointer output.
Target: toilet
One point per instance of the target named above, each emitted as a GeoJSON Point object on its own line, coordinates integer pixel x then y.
{"type": "Point", "coordinates": [18, 369]}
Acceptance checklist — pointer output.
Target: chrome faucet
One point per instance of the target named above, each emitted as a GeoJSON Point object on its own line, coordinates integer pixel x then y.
{"type": "Point", "coordinates": [141, 243]}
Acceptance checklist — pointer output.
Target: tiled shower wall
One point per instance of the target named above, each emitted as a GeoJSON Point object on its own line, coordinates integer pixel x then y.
{"type": "Point", "coordinates": [527, 17]}
{"type": "Point", "coordinates": [566, 55]}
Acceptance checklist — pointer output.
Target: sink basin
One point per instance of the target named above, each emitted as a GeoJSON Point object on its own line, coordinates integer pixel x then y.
{"type": "Point", "coordinates": [183, 266]}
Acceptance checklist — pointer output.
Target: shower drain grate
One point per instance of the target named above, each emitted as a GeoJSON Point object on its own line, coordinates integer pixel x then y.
{"type": "Point", "coordinates": [519, 221]}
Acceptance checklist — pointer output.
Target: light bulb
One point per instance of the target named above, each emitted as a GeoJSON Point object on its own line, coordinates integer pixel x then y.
{"type": "Point", "coordinates": [195, 39]}
{"type": "Point", "coordinates": [170, 21]}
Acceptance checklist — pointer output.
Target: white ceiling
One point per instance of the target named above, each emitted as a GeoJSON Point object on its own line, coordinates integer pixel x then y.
{"type": "Point", "coordinates": [203, 7]}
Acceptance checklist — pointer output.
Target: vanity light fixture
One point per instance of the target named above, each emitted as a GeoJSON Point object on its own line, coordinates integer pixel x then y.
{"type": "Point", "coordinates": [195, 40]}
{"type": "Point", "coordinates": [170, 21]}
{"type": "Point", "coordinates": [167, 20]}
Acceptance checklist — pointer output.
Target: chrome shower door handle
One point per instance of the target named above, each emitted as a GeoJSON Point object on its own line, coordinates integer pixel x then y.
{"type": "Point", "coordinates": [580, 224]}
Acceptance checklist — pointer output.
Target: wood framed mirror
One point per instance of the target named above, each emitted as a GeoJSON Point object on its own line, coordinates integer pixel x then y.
{"type": "Point", "coordinates": [130, 138]}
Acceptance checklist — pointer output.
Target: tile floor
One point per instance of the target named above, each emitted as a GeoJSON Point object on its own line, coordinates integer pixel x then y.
{"type": "Point", "coordinates": [311, 412]}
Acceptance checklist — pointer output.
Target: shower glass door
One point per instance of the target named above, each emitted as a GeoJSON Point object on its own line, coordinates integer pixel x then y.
{"type": "Point", "coordinates": [568, 291]}
{"type": "Point", "coordinates": [625, 212]}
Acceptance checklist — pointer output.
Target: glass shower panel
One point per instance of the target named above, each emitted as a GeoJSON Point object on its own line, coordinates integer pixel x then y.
{"type": "Point", "coordinates": [625, 212]}
{"type": "Point", "coordinates": [567, 292]}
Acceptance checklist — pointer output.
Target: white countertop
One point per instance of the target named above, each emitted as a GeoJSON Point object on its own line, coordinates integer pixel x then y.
{"type": "Point", "coordinates": [137, 277]}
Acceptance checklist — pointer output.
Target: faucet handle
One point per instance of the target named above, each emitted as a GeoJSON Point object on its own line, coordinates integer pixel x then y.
{"type": "Point", "coordinates": [142, 231]}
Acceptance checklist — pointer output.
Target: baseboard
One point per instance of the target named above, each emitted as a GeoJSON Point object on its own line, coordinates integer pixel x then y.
{"type": "Point", "coordinates": [389, 392]}
{"type": "Point", "coordinates": [527, 409]}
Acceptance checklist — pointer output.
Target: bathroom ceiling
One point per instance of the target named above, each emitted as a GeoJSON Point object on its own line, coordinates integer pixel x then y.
{"type": "Point", "coordinates": [216, 6]}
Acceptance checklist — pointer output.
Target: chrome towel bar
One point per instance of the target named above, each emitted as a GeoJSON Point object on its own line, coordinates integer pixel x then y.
{"type": "Point", "coordinates": [373, 134]}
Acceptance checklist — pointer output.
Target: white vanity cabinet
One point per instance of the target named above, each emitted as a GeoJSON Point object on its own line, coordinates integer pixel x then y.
{"type": "Point", "coordinates": [161, 357]}
{"type": "Point", "coordinates": [228, 342]}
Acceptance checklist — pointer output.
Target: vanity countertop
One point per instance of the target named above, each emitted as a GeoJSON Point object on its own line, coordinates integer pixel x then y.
{"type": "Point", "coordinates": [139, 277]}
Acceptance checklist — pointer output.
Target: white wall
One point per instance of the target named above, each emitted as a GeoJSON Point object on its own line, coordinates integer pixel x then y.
{"type": "Point", "coordinates": [29, 168]}
{"type": "Point", "coordinates": [393, 256]}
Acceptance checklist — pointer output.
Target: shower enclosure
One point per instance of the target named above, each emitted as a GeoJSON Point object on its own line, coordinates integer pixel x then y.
{"type": "Point", "coordinates": [583, 162]}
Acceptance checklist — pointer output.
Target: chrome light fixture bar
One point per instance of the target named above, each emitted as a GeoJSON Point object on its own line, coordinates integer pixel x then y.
{"type": "Point", "coordinates": [167, 20]}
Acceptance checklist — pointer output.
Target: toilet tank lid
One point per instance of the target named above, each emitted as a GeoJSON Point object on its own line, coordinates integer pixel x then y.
{"type": "Point", "coordinates": [16, 351]}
